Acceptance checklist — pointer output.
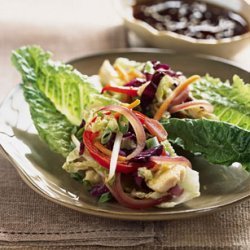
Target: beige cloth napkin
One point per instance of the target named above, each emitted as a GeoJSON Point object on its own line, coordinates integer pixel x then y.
{"type": "Point", "coordinates": [27, 220]}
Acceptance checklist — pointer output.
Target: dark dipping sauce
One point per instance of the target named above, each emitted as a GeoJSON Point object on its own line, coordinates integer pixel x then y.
{"type": "Point", "coordinates": [191, 18]}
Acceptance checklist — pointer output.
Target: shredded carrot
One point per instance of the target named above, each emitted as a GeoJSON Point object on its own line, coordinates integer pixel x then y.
{"type": "Point", "coordinates": [129, 106]}
{"type": "Point", "coordinates": [122, 73]}
{"type": "Point", "coordinates": [127, 76]}
{"type": "Point", "coordinates": [106, 151]}
{"type": "Point", "coordinates": [175, 93]}
{"type": "Point", "coordinates": [134, 104]}
{"type": "Point", "coordinates": [134, 74]}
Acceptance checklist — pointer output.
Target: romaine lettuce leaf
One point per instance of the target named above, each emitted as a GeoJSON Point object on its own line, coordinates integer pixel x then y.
{"type": "Point", "coordinates": [218, 142]}
{"type": "Point", "coordinates": [57, 95]}
{"type": "Point", "coordinates": [231, 101]}
{"type": "Point", "coordinates": [52, 126]}
{"type": "Point", "coordinates": [69, 90]}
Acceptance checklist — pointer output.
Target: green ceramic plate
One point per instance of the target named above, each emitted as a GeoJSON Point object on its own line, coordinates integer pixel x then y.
{"type": "Point", "coordinates": [41, 169]}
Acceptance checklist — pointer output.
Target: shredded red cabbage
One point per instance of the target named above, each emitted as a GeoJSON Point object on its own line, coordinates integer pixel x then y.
{"type": "Point", "coordinates": [110, 143]}
{"type": "Point", "coordinates": [137, 179]}
{"type": "Point", "coordinates": [144, 156]}
{"type": "Point", "coordinates": [129, 135]}
{"type": "Point", "coordinates": [160, 66]}
{"type": "Point", "coordinates": [176, 191]}
{"type": "Point", "coordinates": [166, 69]}
{"type": "Point", "coordinates": [123, 152]}
{"type": "Point", "coordinates": [148, 76]}
{"type": "Point", "coordinates": [137, 82]}
{"type": "Point", "coordinates": [149, 92]}
{"type": "Point", "coordinates": [161, 69]}
{"type": "Point", "coordinates": [82, 124]}
{"type": "Point", "coordinates": [98, 189]}
{"type": "Point", "coordinates": [81, 151]}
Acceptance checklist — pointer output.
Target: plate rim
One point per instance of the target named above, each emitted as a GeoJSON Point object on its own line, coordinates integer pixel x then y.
{"type": "Point", "coordinates": [133, 215]}
{"type": "Point", "coordinates": [123, 215]}
{"type": "Point", "coordinates": [157, 51]}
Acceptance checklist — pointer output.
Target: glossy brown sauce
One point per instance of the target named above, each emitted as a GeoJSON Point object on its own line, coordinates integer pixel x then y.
{"type": "Point", "coordinates": [192, 18]}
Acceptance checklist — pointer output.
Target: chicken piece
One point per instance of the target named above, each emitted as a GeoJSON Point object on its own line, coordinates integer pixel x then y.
{"type": "Point", "coordinates": [92, 176]}
{"type": "Point", "coordinates": [166, 177]}
{"type": "Point", "coordinates": [108, 74]}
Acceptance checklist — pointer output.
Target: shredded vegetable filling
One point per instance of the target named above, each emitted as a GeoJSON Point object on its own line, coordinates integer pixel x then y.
{"type": "Point", "coordinates": [111, 127]}
{"type": "Point", "coordinates": [134, 164]}
{"type": "Point", "coordinates": [162, 91]}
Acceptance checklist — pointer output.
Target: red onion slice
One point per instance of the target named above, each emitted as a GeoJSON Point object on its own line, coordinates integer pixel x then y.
{"type": "Point", "coordinates": [135, 123]}
{"type": "Point", "coordinates": [176, 191]}
{"type": "Point", "coordinates": [192, 104]}
{"type": "Point", "coordinates": [156, 129]}
{"type": "Point", "coordinates": [171, 160]}
{"type": "Point", "coordinates": [181, 97]}
{"type": "Point", "coordinates": [130, 202]}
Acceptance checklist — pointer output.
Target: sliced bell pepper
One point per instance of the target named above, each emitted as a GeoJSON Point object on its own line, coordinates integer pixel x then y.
{"type": "Point", "coordinates": [128, 90]}
{"type": "Point", "coordinates": [102, 159]}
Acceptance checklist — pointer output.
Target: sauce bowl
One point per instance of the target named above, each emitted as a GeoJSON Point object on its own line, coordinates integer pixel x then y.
{"type": "Point", "coordinates": [225, 47]}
